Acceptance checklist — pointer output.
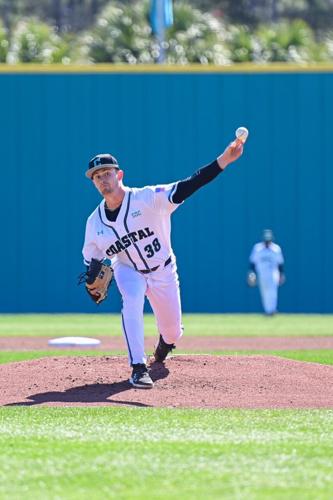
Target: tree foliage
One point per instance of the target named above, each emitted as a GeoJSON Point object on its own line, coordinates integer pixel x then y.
{"type": "Point", "coordinates": [120, 32]}
{"type": "Point", "coordinates": [195, 37]}
{"type": "Point", "coordinates": [123, 34]}
{"type": "Point", "coordinates": [76, 15]}
{"type": "Point", "coordinates": [279, 42]}
{"type": "Point", "coordinates": [4, 44]}
{"type": "Point", "coordinates": [33, 41]}
{"type": "Point", "coordinates": [65, 15]}
{"type": "Point", "coordinates": [318, 14]}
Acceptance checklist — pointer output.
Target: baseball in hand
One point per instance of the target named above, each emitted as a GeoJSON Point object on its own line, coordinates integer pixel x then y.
{"type": "Point", "coordinates": [242, 134]}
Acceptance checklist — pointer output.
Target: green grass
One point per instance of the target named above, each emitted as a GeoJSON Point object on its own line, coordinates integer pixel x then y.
{"type": "Point", "coordinates": [125, 453]}
{"type": "Point", "coordinates": [227, 325]}
{"type": "Point", "coordinates": [139, 453]}
{"type": "Point", "coordinates": [12, 356]}
{"type": "Point", "coordinates": [315, 356]}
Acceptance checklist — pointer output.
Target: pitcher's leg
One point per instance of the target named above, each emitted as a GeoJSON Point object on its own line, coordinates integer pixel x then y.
{"type": "Point", "coordinates": [164, 297]}
{"type": "Point", "coordinates": [132, 287]}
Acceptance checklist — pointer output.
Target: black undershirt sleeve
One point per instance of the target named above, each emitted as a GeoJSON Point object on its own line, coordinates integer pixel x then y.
{"type": "Point", "coordinates": [187, 187]}
{"type": "Point", "coordinates": [184, 189]}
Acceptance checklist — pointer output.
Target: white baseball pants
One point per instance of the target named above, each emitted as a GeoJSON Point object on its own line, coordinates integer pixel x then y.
{"type": "Point", "coordinates": [269, 294]}
{"type": "Point", "coordinates": [161, 287]}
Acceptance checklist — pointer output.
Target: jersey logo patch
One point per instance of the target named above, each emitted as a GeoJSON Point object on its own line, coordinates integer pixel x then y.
{"type": "Point", "coordinates": [136, 213]}
{"type": "Point", "coordinates": [159, 189]}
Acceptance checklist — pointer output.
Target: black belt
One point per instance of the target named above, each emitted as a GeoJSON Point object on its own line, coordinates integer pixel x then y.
{"type": "Point", "coordinates": [147, 271]}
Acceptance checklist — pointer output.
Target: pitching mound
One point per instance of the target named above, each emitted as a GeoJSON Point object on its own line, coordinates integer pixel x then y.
{"type": "Point", "coordinates": [197, 381]}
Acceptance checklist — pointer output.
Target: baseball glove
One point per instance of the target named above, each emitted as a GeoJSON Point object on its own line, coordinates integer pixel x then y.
{"type": "Point", "coordinates": [251, 278]}
{"type": "Point", "coordinates": [97, 278]}
{"type": "Point", "coordinates": [282, 279]}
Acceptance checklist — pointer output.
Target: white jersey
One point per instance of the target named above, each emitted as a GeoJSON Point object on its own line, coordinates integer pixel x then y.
{"type": "Point", "coordinates": [140, 236]}
{"type": "Point", "coordinates": [267, 260]}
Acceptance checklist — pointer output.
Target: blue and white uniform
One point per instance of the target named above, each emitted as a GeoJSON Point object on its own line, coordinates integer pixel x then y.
{"type": "Point", "coordinates": [267, 259]}
{"type": "Point", "coordinates": [136, 237]}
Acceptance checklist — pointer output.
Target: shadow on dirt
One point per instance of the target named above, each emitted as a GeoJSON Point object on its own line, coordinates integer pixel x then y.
{"type": "Point", "coordinates": [94, 393]}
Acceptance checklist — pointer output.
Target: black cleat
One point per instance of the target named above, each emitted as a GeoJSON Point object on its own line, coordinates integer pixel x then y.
{"type": "Point", "coordinates": [162, 350]}
{"type": "Point", "coordinates": [140, 377]}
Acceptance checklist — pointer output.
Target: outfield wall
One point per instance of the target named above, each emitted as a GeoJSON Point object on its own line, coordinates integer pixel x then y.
{"type": "Point", "coordinates": [162, 126]}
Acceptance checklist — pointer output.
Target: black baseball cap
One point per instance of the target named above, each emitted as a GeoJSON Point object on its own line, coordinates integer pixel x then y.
{"type": "Point", "coordinates": [104, 160]}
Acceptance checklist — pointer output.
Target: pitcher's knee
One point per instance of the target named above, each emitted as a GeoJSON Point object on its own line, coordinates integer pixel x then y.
{"type": "Point", "coordinates": [171, 333]}
{"type": "Point", "coordinates": [133, 305]}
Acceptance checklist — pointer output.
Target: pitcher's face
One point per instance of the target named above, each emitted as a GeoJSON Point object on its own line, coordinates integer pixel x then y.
{"type": "Point", "coordinates": [106, 180]}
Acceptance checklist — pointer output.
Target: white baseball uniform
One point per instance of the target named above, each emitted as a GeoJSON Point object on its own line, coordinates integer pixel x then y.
{"type": "Point", "coordinates": [138, 243]}
{"type": "Point", "coordinates": [267, 260]}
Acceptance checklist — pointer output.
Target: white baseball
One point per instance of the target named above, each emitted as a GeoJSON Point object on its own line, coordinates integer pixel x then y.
{"type": "Point", "coordinates": [242, 134]}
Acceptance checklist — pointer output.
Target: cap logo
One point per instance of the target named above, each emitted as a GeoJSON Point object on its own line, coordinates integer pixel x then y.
{"type": "Point", "coordinates": [97, 162]}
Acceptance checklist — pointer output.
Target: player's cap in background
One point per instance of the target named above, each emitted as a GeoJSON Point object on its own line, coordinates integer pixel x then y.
{"type": "Point", "coordinates": [104, 160]}
{"type": "Point", "coordinates": [267, 235]}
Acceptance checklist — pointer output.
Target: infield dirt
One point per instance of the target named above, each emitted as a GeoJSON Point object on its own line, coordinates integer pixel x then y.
{"type": "Point", "coordinates": [197, 381]}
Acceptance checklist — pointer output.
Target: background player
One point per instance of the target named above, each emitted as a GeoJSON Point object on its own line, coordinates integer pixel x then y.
{"type": "Point", "coordinates": [266, 264]}
{"type": "Point", "coordinates": [132, 227]}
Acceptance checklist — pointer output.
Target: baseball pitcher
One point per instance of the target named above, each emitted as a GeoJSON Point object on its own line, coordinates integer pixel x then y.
{"type": "Point", "coordinates": [131, 226]}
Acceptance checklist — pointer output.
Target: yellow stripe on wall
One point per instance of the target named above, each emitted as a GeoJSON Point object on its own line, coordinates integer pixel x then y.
{"type": "Point", "coordinates": [166, 68]}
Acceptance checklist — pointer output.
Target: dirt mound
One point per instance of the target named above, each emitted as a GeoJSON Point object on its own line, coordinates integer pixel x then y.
{"type": "Point", "coordinates": [196, 381]}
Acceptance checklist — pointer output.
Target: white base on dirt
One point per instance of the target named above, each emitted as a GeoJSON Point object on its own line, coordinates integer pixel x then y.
{"type": "Point", "coordinates": [74, 341]}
